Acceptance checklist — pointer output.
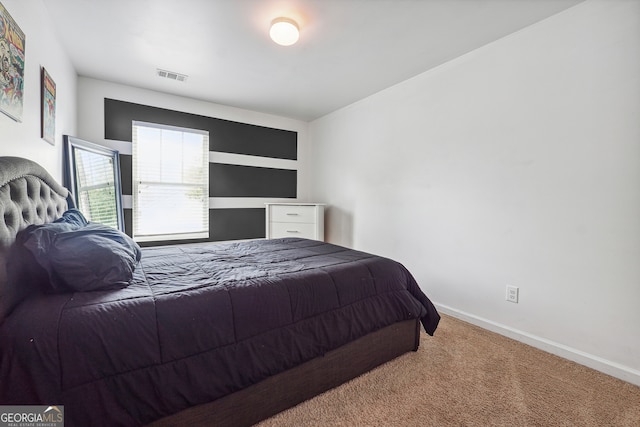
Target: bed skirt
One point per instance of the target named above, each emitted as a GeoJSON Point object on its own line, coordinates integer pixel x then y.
{"type": "Point", "coordinates": [287, 389]}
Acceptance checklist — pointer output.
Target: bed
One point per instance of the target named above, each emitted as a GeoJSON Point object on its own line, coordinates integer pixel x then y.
{"type": "Point", "coordinates": [202, 334]}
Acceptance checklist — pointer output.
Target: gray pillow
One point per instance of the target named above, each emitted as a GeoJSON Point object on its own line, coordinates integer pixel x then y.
{"type": "Point", "coordinates": [95, 257]}
{"type": "Point", "coordinates": [81, 257]}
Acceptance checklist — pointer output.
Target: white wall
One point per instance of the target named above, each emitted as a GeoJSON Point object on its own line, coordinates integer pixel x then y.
{"type": "Point", "coordinates": [518, 163]}
{"type": "Point", "coordinates": [91, 95]}
{"type": "Point", "coordinates": [42, 50]}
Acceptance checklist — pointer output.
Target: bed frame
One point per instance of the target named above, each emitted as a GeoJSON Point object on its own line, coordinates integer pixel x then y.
{"type": "Point", "coordinates": [29, 195]}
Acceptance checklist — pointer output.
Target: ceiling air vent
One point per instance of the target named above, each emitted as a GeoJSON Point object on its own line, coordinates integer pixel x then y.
{"type": "Point", "coordinates": [171, 75]}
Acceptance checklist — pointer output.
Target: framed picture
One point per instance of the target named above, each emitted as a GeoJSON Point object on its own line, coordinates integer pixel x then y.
{"type": "Point", "coordinates": [48, 108]}
{"type": "Point", "coordinates": [12, 42]}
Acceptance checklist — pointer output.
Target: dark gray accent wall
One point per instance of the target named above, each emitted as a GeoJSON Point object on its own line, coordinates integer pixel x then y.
{"type": "Point", "coordinates": [225, 180]}
{"type": "Point", "coordinates": [128, 221]}
{"type": "Point", "coordinates": [126, 174]}
{"type": "Point", "coordinates": [237, 223]}
{"type": "Point", "coordinates": [250, 181]}
{"type": "Point", "coordinates": [232, 180]}
{"type": "Point", "coordinates": [224, 135]}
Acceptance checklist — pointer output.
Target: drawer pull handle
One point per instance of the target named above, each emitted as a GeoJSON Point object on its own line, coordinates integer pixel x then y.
{"type": "Point", "coordinates": [292, 231]}
{"type": "Point", "coordinates": [292, 214]}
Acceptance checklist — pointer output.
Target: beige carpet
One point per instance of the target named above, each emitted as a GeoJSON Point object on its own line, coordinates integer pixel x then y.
{"type": "Point", "coordinates": [467, 376]}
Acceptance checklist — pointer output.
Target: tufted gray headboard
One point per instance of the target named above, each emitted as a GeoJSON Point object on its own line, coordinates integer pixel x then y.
{"type": "Point", "coordinates": [28, 195]}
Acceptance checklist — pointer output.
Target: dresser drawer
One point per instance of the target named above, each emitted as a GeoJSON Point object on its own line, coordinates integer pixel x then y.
{"type": "Point", "coordinates": [293, 229]}
{"type": "Point", "coordinates": [293, 213]}
{"type": "Point", "coordinates": [304, 220]}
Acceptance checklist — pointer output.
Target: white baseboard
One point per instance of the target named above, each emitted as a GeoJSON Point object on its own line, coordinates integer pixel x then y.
{"type": "Point", "coordinates": [599, 364]}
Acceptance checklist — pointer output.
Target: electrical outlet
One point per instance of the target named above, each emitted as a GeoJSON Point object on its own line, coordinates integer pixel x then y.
{"type": "Point", "coordinates": [512, 293]}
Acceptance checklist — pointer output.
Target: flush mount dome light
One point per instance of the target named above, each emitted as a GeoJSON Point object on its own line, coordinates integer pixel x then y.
{"type": "Point", "coordinates": [284, 31]}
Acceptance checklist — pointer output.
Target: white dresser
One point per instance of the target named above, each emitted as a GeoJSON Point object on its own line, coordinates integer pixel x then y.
{"type": "Point", "coordinates": [304, 220]}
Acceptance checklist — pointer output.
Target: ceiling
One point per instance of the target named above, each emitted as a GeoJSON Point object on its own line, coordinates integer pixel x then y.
{"type": "Point", "coordinates": [348, 49]}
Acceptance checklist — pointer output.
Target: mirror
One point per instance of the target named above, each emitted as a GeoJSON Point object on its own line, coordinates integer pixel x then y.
{"type": "Point", "coordinates": [92, 174]}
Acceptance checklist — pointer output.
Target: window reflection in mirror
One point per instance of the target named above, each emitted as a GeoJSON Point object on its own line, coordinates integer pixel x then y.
{"type": "Point", "coordinates": [92, 174]}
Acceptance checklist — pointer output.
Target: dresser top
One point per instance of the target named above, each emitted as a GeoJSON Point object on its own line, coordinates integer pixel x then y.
{"type": "Point", "coordinates": [297, 204]}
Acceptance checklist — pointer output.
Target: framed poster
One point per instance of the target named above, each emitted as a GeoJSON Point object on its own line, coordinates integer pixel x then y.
{"type": "Point", "coordinates": [12, 42]}
{"type": "Point", "coordinates": [48, 108]}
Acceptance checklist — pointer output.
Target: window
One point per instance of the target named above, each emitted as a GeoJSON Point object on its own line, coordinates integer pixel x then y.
{"type": "Point", "coordinates": [170, 183]}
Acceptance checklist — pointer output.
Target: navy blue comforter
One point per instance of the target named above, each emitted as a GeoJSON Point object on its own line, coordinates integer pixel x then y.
{"type": "Point", "coordinates": [196, 323]}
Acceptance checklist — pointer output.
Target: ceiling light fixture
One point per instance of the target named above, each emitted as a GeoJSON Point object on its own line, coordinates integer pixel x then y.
{"type": "Point", "coordinates": [284, 31]}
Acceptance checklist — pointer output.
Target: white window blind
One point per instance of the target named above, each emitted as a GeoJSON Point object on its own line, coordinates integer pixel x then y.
{"type": "Point", "coordinates": [94, 179]}
{"type": "Point", "coordinates": [170, 183]}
